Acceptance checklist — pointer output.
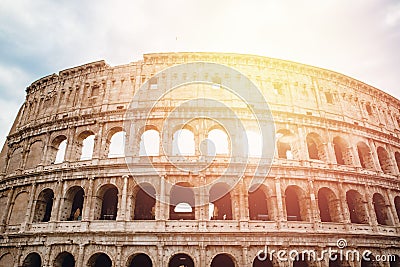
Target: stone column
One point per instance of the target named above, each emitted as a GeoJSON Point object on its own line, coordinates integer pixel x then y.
{"type": "Point", "coordinates": [98, 141]}
{"type": "Point", "coordinates": [56, 207]}
{"type": "Point", "coordinates": [369, 208]}
{"type": "Point", "coordinates": [280, 215]}
{"type": "Point", "coordinates": [314, 215]}
{"type": "Point", "coordinates": [81, 254]}
{"type": "Point", "coordinates": [160, 255]}
{"type": "Point", "coordinates": [244, 256]}
{"type": "Point", "coordinates": [343, 205]}
{"type": "Point", "coordinates": [88, 201]}
{"type": "Point", "coordinates": [119, 255]}
{"type": "Point", "coordinates": [10, 197]}
{"type": "Point", "coordinates": [30, 209]}
{"type": "Point", "coordinates": [203, 259]}
{"type": "Point", "coordinates": [122, 207]}
{"type": "Point", "coordinates": [374, 155]}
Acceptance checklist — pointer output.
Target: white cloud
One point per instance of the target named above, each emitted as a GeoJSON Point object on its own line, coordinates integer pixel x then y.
{"type": "Point", "coordinates": [392, 18]}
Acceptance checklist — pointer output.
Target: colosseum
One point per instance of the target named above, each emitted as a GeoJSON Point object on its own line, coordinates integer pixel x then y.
{"type": "Point", "coordinates": [91, 177]}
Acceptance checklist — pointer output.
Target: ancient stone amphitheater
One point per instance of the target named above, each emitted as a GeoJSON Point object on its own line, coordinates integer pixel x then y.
{"type": "Point", "coordinates": [81, 187]}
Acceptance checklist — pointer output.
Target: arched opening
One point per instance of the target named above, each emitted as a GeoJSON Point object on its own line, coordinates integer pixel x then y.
{"type": "Point", "coordinates": [336, 262]}
{"type": "Point", "coordinates": [355, 203]}
{"type": "Point", "coordinates": [369, 261]}
{"type": "Point", "coordinates": [181, 260]}
{"type": "Point", "coordinates": [73, 204]}
{"type": "Point", "coordinates": [315, 147]}
{"type": "Point", "coordinates": [56, 151]}
{"type": "Point", "coordinates": [145, 202]}
{"type": "Point", "coordinates": [117, 145]}
{"type": "Point", "coordinates": [220, 143]}
{"type": "Point", "coordinates": [342, 151]}
{"type": "Point", "coordinates": [254, 144]}
{"type": "Point", "coordinates": [329, 205]}
{"type": "Point", "coordinates": [394, 261]}
{"type": "Point", "coordinates": [141, 260]}
{"type": "Point", "coordinates": [397, 205]}
{"type": "Point", "coordinates": [43, 206]}
{"type": "Point", "coordinates": [108, 197]}
{"type": "Point", "coordinates": [258, 204]}
{"type": "Point", "coordinates": [34, 155]}
{"type": "Point", "coordinates": [397, 157]}
{"type": "Point", "coordinates": [285, 140]}
{"type": "Point", "coordinates": [64, 259]}
{"type": "Point", "coordinates": [32, 260]}
{"type": "Point", "coordinates": [261, 262]}
{"type": "Point", "coordinates": [301, 260]}
{"type": "Point", "coordinates": [7, 260]}
{"type": "Point", "coordinates": [14, 162]}
{"type": "Point", "coordinates": [224, 260]}
{"type": "Point", "coordinates": [384, 160]}
{"type": "Point", "coordinates": [182, 202]}
{"type": "Point", "coordinates": [99, 260]}
{"type": "Point", "coordinates": [150, 143]}
{"type": "Point", "coordinates": [381, 210]}
{"type": "Point", "coordinates": [86, 145]}
{"type": "Point", "coordinates": [183, 143]}
{"type": "Point", "coordinates": [220, 203]}
{"type": "Point", "coordinates": [296, 204]}
{"type": "Point", "coordinates": [365, 156]}
{"type": "Point", "coordinates": [18, 210]}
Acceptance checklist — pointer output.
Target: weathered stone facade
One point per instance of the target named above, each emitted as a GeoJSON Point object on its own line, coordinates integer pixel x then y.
{"type": "Point", "coordinates": [335, 173]}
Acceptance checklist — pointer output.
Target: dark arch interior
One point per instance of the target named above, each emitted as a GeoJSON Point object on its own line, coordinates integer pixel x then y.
{"type": "Point", "coordinates": [44, 205]}
{"type": "Point", "coordinates": [77, 203]}
{"type": "Point", "coordinates": [32, 260]}
{"type": "Point", "coordinates": [312, 148]}
{"type": "Point", "coordinates": [181, 193]}
{"type": "Point", "coordinates": [221, 198]}
{"type": "Point", "coordinates": [292, 205]}
{"type": "Point", "coordinates": [222, 260]}
{"type": "Point", "coordinates": [141, 260]}
{"type": "Point", "coordinates": [258, 208]}
{"type": "Point", "coordinates": [100, 260]}
{"type": "Point", "coordinates": [181, 260]}
{"type": "Point", "coordinates": [145, 203]}
{"type": "Point", "coordinates": [397, 206]}
{"type": "Point", "coordinates": [356, 207]}
{"type": "Point", "coordinates": [110, 204]}
{"type": "Point", "coordinates": [64, 259]}
{"type": "Point", "coordinates": [262, 263]}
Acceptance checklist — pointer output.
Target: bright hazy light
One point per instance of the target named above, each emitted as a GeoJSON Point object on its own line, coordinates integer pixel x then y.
{"type": "Point", "coordinates": [255, 144]}
{"type": "Point", "coordinates": [117, 145]}
{"type": "Point", "coordinates": [220, 140]}
{"type": "Point", "coordinates": [61, 152]}
{"type": "Point", "coordinates": [183, 143]}
{"type": "Point", "coordinates": [183, 207]}
{"type": "Point", "coordinates": [150, 143]}
{"type": "Point", "coordinates": [87, 148]}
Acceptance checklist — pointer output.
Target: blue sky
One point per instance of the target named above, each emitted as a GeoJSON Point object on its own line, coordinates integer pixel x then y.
{"type": "Point", "coordinates": [360, 38]}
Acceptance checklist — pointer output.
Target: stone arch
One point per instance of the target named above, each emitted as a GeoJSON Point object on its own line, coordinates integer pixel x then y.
{"type": "Point", "coordinates": [329, 205]}
{"type": "Point", "coordinates": [183, 142]}
{"type": "Point", "coordinates": [365, 156]}
{"type": "Point", "coordinates": [357, 210]}
{"type": "Point", "coordinates": [381, 210]}
{"type": "Point", "coordinates": [18, 210]}
{"type": "Point", "coordinates": [14, 161]}
{"type": "Point", "coordinates": [43, 206]}
{"type": "Point", "coordinates": [7, 260]}
{"type": "Point", "coordinates": [99, 259]}
{"type": "Point", "coordinates": [64, 259]}
{"type": "Point", "coordinates": [397, 206]}
{"type": "Point", "coordinates": [73, 204]}
{"type": "Point", "coordinates": [106, 204]}
{"type": "Point", "coordinates": [140, 260]}
{"type": "Point", "coordinates": [85, 145]}
{"type": "Point", "coordinates": [260, 206]}
{"type": "Point", "coordinates": [397, 158]}
{"type": "Point", "coordinates": [370, 262]}
{"type": "Point", "coordinates": [34, 157]}
{"type": "Point", "coordinates": [223, 259]}
{"type": "Point", "coordinates": [33, 259]}
{"type": "Point", "coordinates": [285, 144]}
{"type": "Point", "coordinates": [342, 151]}
{"type": "Point", "coordinates": [267, 262]}
{"type": "Point", "coordinates": [150, 142]}
{"type": "Point", "coordinates": [182, 202]}
{"type": "Point", "coordinates": [384, 160]}
{"type": "Point", "coordinates": [56, 150]}
{"type": "Point", "coordinates": [220, 140]}
{"type": "Point", "coordinates": [296, 203]}
{"type": "Point", "coordinates": [115, 143]}
{"type": "Point", "coordinates": [316, 149]}
{"type": "Point", "coordinates": [144, 202]}
{"type": "Point", "coordinates": [220, 202]}
{"type": "Point", "coordinates": [180, 259]}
